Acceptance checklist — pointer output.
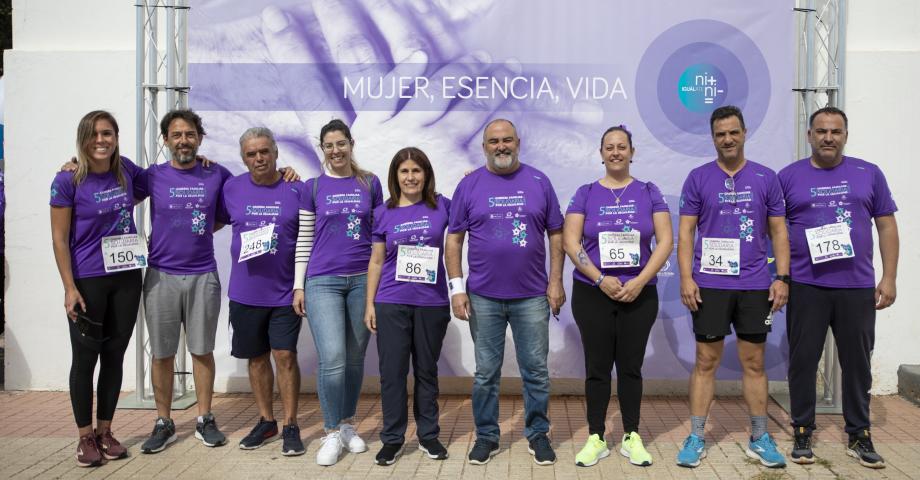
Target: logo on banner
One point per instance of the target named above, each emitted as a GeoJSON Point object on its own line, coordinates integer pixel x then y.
{"type": "Point", "coordinates": [702, 87]}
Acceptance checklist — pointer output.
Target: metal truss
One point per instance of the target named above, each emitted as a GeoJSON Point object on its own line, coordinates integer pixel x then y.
{"type": "Point", "coordinates": [162, 85]}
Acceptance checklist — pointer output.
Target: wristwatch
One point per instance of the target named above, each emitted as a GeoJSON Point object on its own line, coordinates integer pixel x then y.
{"type": "Point", "coordinates": [784, 278]}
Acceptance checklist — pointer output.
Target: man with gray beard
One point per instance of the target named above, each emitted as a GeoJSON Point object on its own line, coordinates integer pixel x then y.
{"type": "Point", "coordinates": [507, 207]}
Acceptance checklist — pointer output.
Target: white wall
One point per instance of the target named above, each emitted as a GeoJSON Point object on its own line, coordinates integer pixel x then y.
{"type": "Point", "coordinates": [70, 58]}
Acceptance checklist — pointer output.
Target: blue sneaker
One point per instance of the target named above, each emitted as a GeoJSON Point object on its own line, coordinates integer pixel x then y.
{"type": "Point", "coordinates": [692, 452]}
{"type": "Point", "coordinates": [764, 450]}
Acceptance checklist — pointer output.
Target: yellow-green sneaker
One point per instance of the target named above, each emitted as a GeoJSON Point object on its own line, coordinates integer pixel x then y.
{"type": "Point", "coordinates": [634, 450]}
{"type": "Point", "coordinates": [594, 450]}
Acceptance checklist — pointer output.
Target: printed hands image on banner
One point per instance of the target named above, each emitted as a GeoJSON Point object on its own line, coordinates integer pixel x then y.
{"type": "Point", "coordinates": [431, 74]}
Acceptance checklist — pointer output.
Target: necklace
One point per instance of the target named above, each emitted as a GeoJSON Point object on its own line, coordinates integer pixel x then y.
{"type": "Point", "coordinates": [617, 197]}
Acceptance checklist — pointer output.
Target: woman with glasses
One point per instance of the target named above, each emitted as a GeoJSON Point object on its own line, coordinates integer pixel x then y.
{"type": "Point", "coordinates": [334, 259]}
{"type": "Point", "coordinates": [608, 231]}
{"type": "Point", "coordinates": [98, 255]}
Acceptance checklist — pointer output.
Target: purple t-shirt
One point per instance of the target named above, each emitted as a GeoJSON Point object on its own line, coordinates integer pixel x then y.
{"type": "Point", "coordinates": [418, 225]}
{"type": "Point", "coordinates": [100, 208]}
{"type": "Point", "coordinates": [854, 192]}
{"type": "Point", "coordinates": [266, 280]}
{"type": "Point", "coordinates": [344, 214]}
{"type": "Point", "coordinates": [184, 205]}
{"type": "Point", "coordinates": [638, 201]}
{"type": "Point", "coordinates": [729, 208]}
{"type": "Point", "coordinates": [506, 217]}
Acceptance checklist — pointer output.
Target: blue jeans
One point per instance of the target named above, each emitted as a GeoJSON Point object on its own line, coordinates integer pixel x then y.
{"type": "Point", "coordinates": [335, 311]}
{"type": "Point", "coordinates": [529, 320]}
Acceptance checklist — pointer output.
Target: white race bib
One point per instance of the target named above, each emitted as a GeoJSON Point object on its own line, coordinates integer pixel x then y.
{"type": "Point", "coordinates": [417, 264]}
{"type": "Point", "coordinates": [124, 252]}
{"type": "Point", "coordinates": [255, 242]}
{"type": "Point", "coordinates": [619, 249]}
{"type": "Point", "coordinates": [829, 242]}
{"type": "Point", "coordinates": [721, 256]}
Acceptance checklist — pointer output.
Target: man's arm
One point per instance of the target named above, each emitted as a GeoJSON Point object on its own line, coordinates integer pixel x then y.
{"type": "Point", "coordinates": [555, 292]}
{"type": "Point", "coordinates": [689, 291]}
{"type": "Point", "coordinates": [889, 245]}
{"type": "Point", "coordinates": [779, 290]}
{"type": "Point", "coordinates": [453, 258]}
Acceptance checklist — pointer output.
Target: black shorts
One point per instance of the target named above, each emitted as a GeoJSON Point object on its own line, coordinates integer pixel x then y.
{"type": "Point", "coordinates": [747, 312]}
{"type": "Point", "coordinates": [258, 330]}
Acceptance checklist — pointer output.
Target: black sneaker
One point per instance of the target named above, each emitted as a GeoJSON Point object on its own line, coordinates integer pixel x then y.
{"type": "Point", "coordinates": [389, 453]}
{"type": "Point", "coordinates": [433, 449]}
{"type": "Point", "coordinates": [164, 433]}
{"type": "Point", "coordinates": [541, 450]}
{"type": "Point", "coordinates": [801, 447]}
{"type": "Point", "coordinates": [292, 445]}
{"type": "Point", "coordinates": [206, 431]}
{"type": "Point", "coordinates": [262, 433]}
{"type": "Point", "coordinates": [482, 451]}
{"type": "Point", "coordinates": [860, 447]}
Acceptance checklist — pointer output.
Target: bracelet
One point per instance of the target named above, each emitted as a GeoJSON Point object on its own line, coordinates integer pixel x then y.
{"type": "Point", "coordinates": [597, 283]}
{"type": "Point", "coordinates": [456, 286]}
{"type": "Point", "coordinates": [784, 278]}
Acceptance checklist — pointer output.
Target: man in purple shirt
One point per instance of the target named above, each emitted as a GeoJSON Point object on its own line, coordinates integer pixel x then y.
{"type": "Point", "coordinates": [730, 207]}
{"type": "Point", "coordinates": [507, 207]}
{"type": "Point", "coordinates": [181, 284]}
{"type": "Point", "coordinates": [831, 201]}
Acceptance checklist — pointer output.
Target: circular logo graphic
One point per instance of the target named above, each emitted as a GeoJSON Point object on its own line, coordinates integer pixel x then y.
{"type": "Point", "coordinates": [690, 70]}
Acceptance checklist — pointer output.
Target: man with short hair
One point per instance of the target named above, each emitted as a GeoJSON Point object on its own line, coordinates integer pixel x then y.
{"type": "Point", "coordinates": [506, 207]}
{"type": "Point", "coordinates": [730, 207]}
{"type": "Point", "coordinates": [831, 202]}
{"type": "Point", "coordinates": [181, 285]}
{"type": "Point", "coordinates": [265, 214]}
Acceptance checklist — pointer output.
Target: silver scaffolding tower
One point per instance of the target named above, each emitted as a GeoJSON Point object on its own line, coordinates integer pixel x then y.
{"type": "Point", "coordinates": [822, 27]}
{"type": "Point", "coordinates": [162, 85]}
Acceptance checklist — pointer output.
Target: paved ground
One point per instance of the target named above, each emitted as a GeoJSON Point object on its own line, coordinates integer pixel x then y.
{"type": "Point", "coordinates": [38, 439]}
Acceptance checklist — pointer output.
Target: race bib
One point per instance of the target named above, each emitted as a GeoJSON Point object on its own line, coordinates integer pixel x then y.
{"type": "Point", "coordinates": [124, 252]}
{"type": "Point", "coordinates": [619, 249]}
{"type": "Point", "coordinates": [829, 242]}
{"type": "Point", "coordinates": [721, 256]}
{"type": "Point", "coordinates": [417, 264]}
{"type": "Point", "coordinates": [255, 242]}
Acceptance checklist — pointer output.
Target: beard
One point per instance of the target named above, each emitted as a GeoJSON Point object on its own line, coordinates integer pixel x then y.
{"type": "Point", "coordinates": [503, 161]}
{"type": "Point", "coordinates": [185, 159]}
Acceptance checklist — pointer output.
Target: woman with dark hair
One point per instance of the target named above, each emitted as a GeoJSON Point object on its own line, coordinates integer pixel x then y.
{"type": "Point", "coordinates": [98, 255]}
{"type": "Point", "coordinates": [608, 231]}
{"type": "Point", "coordinates": [336, 230]}
{"type": "Point", "coordinates": [407, 304]}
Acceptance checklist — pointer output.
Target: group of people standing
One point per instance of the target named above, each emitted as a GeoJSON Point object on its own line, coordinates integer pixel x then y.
{"type": "Point", "coordinates": [333, 250]}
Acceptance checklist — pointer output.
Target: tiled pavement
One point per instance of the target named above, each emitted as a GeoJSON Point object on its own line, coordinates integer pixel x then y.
{"type": "Point", "coordinates": [37, 439]}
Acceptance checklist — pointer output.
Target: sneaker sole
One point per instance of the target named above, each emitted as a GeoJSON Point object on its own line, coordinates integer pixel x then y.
{"type": "Point", "coordinates": [538, 462]}
{"type": "Point", "coordinates": [752, 454]}
{"type": "Point", "coordinates": [293, 453]}
{"type": "Point", "coordinates": [329, 464]}
{"type": "Point", "coordinates": [865, 463]}
{"type": "Point", "coordinates": [803, 460]}
{"type": "Point", "coordinates": [433, 457]}
{"type": "Point", "coordinates": [162, 447]}
{"type": "Point", "coordinates": [199, 436]}
{"type": "Point", "coordinates": [387, 463]}
{"type": "Point", "coordinates": [639, 464]}
{"type": "Point", "coordinates": [483, 462]}
{"type": "Point", "coordinates": [360, 449]}
{"type": "Point", "coordinates": [97, 463]}
{"type": "Point", "coordinates": [604, 454]}
{"type": "Point", "coordinates": [267, 440]}
{"type": "Point", "coordinates": [114, 457]}
{"type": "Point", "coordinates": [693, 464]}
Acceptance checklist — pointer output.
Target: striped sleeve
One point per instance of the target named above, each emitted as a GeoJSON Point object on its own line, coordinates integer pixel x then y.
{"type": "Point", "coordinates": [304, 246]}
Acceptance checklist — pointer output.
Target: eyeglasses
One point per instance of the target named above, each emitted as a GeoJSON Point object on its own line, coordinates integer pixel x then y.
{"type": "Point", "coordinates": [341, 145]}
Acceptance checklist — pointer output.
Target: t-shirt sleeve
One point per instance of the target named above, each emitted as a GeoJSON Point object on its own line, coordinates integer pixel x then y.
{"type": "Point", "coordinates": [776, 204]}
{"type": "Point", "coordinates": [311, 183]}
{"type": "Point", "coordinates": [379, 234]}
{"type": "Point", "coordinates": [578, 201]}
{"type": "Point", "coordinates": [378, 192]}
{"type": "Point", "coordinates": [882, 200]}
{"type": "Point", "coordinates": [63, 190]}
{"type": "Point", "coordinates": [657, 199]}
{"type": "Point", "coordinates": [690, 202]}
{"type": "Point", "coordinates": [554, 218]}
{"type": "Point", "coordinates": [142, 183]}
{"type": "Point", "coordinates": [459, 211]}
{"type": "Point", "coordinates": [222, 215]}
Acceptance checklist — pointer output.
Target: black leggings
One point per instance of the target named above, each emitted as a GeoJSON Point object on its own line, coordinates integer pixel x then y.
{"type": "Point", "coordinates": [113, 300]}
{"type": "Point", "coordinates": [613, 333]}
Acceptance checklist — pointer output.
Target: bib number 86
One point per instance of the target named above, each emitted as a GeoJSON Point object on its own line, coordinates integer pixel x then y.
{"type": "Point", "coordinates": [413, 268]}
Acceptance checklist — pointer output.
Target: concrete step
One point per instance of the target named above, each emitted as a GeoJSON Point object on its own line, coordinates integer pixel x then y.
{"type": "Point", "coordinates": [909, 382]}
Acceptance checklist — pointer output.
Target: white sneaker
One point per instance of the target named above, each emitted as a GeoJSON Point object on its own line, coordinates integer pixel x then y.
{"type": "Point", "coordinates": [330, 451]}
{"type": "Point", "coordinates": [351, 439]}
